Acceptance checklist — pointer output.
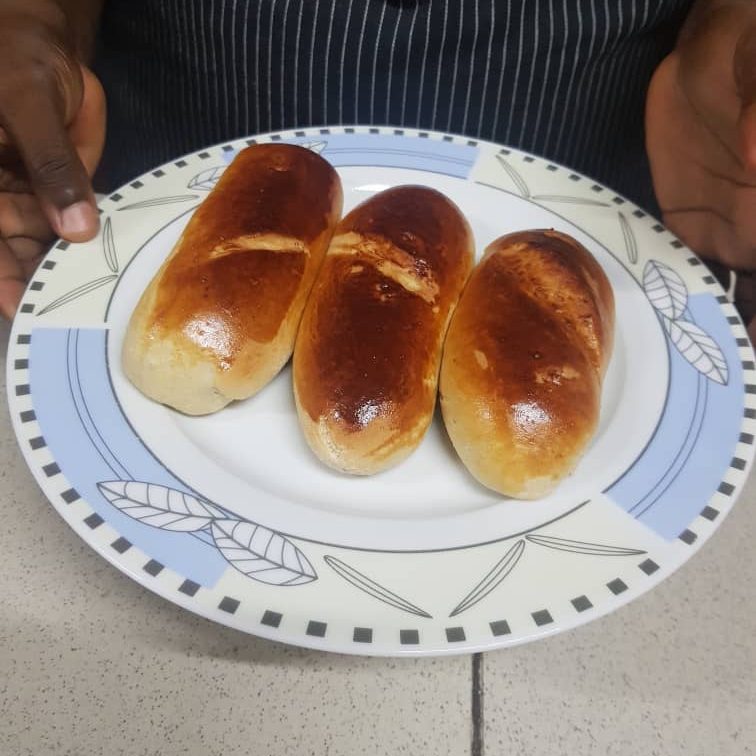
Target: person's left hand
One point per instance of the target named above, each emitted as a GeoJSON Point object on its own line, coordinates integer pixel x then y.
{"type": "Point", "coordinates": [25, 228]}
{"type": "Point", "coordinates": [701, 139]}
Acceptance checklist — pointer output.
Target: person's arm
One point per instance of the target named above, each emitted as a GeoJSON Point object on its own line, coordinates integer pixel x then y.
{"type": "Point", "coordinates": [52, 128]}
{"type": "Point", "coordinates": [701, 138]}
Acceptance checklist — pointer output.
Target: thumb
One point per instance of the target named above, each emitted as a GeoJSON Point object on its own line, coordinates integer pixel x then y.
{"type": "Point", "coordinates": [744, 64]}
{"type": "Point", "coordinates": [36, 126]}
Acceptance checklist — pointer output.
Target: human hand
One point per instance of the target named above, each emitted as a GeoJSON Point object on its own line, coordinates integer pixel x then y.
{"type": "Point", "coordinates": [701, 139]}
{"type": "Point", "coordinates": [52, 128]}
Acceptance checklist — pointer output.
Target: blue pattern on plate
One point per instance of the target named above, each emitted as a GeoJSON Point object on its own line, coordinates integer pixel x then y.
{"type": "Point", "coordinates": [393, 151]}
{"type": "Point", "coordinates": [86, 450]}
{"type": "Point", "coordinates": [694, 442]}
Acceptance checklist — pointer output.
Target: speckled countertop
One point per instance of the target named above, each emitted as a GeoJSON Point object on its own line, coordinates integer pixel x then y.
{"type": "Point", "coordinates": [92, 663]}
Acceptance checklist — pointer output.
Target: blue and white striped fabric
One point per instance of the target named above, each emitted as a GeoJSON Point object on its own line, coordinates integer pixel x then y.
{"type": "Point", "coordinates": [562, 78]}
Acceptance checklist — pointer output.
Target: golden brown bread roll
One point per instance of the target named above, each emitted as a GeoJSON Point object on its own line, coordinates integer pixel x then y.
{"type": "Point", "coordinates": [368, 351]}
{"type": "Point", "coordinates": [219, 319]}
{"type": "Point", "coordinates": [524, 360]}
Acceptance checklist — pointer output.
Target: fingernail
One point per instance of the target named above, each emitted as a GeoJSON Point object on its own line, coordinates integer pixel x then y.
{"type": "Point", "coordinates": [78, 222]}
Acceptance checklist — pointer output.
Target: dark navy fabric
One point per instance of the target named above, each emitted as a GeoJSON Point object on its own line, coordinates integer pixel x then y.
{"type": "Point", "coordinates": [565, 79]}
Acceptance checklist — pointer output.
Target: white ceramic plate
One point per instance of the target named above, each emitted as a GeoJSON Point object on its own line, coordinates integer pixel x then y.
{"type": "Point", "coordinates": [232, 517]}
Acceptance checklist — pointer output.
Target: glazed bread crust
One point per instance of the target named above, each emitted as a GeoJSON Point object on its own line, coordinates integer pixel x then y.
{"type": "Point", "coordinates": [524, 360]}
{"type": "Point", "coordinates": [219, 319]}
{"type": "Point", "coordinates": [368, 351]}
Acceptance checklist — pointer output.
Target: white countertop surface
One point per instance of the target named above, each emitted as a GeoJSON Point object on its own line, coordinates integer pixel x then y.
{"type": "Point", "coordinates": [92, 663]}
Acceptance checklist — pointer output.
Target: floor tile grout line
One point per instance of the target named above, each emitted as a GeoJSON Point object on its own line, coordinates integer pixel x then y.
{"type": "Point", "coordinates": [476, 748]}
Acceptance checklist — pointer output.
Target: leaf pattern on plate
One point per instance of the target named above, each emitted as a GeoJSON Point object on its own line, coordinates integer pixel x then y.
{"type": "Point", "coordinates": [582, 547]}
{"type": "Point", "coordinates": [517, 180]}
{"type": "Point", "coordinates": [260, 553]}
{"type": "Point", "coordinates": [79, 291]}
{"type": "Point", "coordinates": [376, 590]}
{"type": "Point", "coordinates": [159, 506]}
{"type": "Point", "coordinates": [698, 348]}
{"type": "Point", "coordinates": [665, 289]}
{"type": "Point", "coordinates": [108, 246]}
{"type": "Point", "coordinates": [492, 580]}
{"type": "Point", "coordinates": [631, 245]}
{"type": "Point", "coordinates": [206, 179]}
{"type": "Point", "coordinates": [569, 200]}
{"type": "Point", "coordinates": [317, 147]}
{"type": "Point", "coordinates": [157, 201]}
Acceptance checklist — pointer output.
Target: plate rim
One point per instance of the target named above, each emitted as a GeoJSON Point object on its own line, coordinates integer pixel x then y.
{"type": "Point", "coordinates": [737, 329]}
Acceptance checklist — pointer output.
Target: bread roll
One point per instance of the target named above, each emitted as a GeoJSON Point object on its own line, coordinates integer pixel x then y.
{"type": "Point", "coordinates": [219, 319]}
{"type": "Point", "coordinates": [368, 351]}
{"type": "Point", "coordinates": [524, 360]}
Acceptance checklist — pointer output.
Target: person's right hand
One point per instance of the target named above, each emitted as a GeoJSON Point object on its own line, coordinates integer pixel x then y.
{"type": "Point", "coordinates": [52, 129]}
